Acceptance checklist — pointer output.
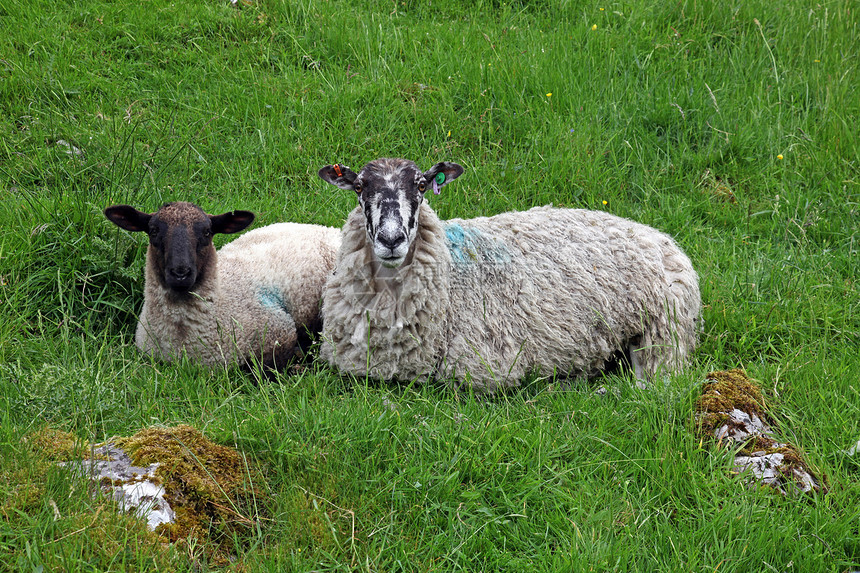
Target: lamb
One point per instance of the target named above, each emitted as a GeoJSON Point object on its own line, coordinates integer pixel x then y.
{"type": "Point", "coordinates": [486, 301]}
{"type": "Point", "coordinates": [252, 300]}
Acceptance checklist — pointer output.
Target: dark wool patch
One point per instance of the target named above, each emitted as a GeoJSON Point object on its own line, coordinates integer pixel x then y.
{"type": "Point", "coordinates": [205, 261]}
{"type": "Point", "coordinates": [414, 203]}
{"type": "Point", "coordinates": [181, 213]}
{"type": "Point", "coordinates": [158, 263]}
{"type": "Point", "coordinates": [368, 216]}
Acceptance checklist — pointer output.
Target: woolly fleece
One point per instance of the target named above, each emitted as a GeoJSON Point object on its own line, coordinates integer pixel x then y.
{"type": "Point", "coordinates": [488, 300]}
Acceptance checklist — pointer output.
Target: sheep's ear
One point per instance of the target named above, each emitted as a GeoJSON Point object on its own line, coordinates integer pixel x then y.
{"type": "Point", "coordinates": [442, 173]}
{"type": "Point", "coordinates": [339, 175]}
{"type": "Point", "coordinates": [231, 222]}
{"type": "Point", "coordinates": [128, 218]}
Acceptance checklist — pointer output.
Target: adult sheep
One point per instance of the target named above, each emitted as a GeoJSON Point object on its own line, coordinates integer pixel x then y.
{"type": "Point", "coordinates": [486, 301]}
{"type": "Point", "coordinates": [252, 300]}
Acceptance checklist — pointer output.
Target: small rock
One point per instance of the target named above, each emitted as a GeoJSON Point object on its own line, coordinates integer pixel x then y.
{"type": "Point", "coordinates": [741, 426]}
{"type": "Point", "coordinates": [70, 149]}
{"type": "Point", "coordinates": [763, 468]}
{"type": "Point", "coordinates": [853, 449]}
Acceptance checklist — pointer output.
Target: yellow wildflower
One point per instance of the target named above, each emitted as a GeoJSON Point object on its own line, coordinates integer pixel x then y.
{"type": "Point", "coordinates": [779, 157]}
{"type": "Point", "coordinates": [605, 202]}
{"type": "Point", "coordinates": [594, 27]}
{"type": "Point", "coordinates": [549, 94]}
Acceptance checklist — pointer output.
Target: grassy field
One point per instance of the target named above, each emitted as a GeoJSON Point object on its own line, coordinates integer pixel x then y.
{"type": "Point", "coordinates": [731, 126]}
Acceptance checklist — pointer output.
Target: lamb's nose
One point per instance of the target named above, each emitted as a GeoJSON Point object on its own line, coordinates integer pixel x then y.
{"type": "Point", "coordinates": [180, 273]}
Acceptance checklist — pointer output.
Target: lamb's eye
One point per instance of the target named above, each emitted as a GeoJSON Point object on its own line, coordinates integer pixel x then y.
{"type": "Point", "coordinates": [357, 187]}
{"type": "Point", "coordinates": [421, 186]}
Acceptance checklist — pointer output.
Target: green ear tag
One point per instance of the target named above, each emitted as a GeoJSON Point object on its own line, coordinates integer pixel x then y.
{"type": "Point", "coordinates": [440, 178]}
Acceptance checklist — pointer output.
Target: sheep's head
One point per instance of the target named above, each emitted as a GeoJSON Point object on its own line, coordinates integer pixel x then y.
{"type": "Point", "coordinates": [390, 192]}
{"type": "Point", "coordinates": [180, 239]}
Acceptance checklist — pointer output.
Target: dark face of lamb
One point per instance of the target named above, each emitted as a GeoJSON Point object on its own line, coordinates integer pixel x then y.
{"type": "Point", "coordinates": [180, 239]}
{"type": "Point", "coordinates": [390, 192]}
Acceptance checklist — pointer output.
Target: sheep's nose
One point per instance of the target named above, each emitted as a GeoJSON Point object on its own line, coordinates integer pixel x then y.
{"type": "Point", "coordinates": [390, 243]}
{"type": "Point", "coordinates": [180, 277]}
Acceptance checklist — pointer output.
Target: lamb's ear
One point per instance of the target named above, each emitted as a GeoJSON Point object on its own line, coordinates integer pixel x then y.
{"type": "Point", "coordinates": [128, 218]}
{"type": "Point", "coordinates": [339, 175]}
{"type": "Point", "coordinates": [442, 173]}
{"type": "Point", "coordinates": [231, 222]}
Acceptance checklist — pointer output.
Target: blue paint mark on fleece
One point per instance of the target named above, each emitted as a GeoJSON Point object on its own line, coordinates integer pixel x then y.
{"type": "Point", "coordinates": [469, 245]}
{"type": "Point", "coordinates": [270, 297]}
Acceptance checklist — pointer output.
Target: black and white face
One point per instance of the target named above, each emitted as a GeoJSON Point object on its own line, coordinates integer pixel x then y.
{"type": "Point", "coordinates": [180, 239]}
{"type": "Point", "coordinates": [390, 192]}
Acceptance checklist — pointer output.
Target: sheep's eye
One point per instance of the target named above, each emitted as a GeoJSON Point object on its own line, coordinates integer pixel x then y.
{"type": "Point", "coordinates": [421, 186]}
{"type": "Point", "coordinates": [357, 187]}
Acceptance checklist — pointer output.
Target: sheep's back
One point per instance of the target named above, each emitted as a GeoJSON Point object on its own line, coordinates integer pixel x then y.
{"type": "Point", "coordinates": [281, 265]}
{"type": "Point", "coordinates": [271, 280]}
{"type": "Point", "coordinates": [554, 289]}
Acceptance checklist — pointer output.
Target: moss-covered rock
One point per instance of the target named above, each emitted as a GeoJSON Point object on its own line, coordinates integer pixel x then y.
{"type": "Point", "coordinates": [732, 411]}
{"type": "Point", "coordinates": [214, 492]}
{"type": "Point", "coordinates": [213, 489]}
{"type": "Point", "coordinates": [723, 392]}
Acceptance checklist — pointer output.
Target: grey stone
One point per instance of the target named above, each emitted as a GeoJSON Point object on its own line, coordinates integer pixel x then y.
{"type": "Point", "coordinates": [137, 491]}
{"type": "Point", "coordinates": [769, 469]}
{"type": "Point", "coordinates": [853, 449]}
{"type": "Point", "coordinates": [741, 426]}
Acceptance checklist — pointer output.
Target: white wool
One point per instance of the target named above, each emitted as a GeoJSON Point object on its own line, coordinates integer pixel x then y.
{"type": "Point", "coordinates": [265, 285]}
{"type": "Point", "coordinates": [486, 301]}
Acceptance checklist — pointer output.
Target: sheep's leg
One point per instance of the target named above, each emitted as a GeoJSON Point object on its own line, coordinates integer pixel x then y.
{"type": "Point", "coordinates": [636, 352]}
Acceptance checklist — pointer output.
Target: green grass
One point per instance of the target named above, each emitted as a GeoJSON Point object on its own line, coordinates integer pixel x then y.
{"type": "Point", "coordinates": [732, 127]}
